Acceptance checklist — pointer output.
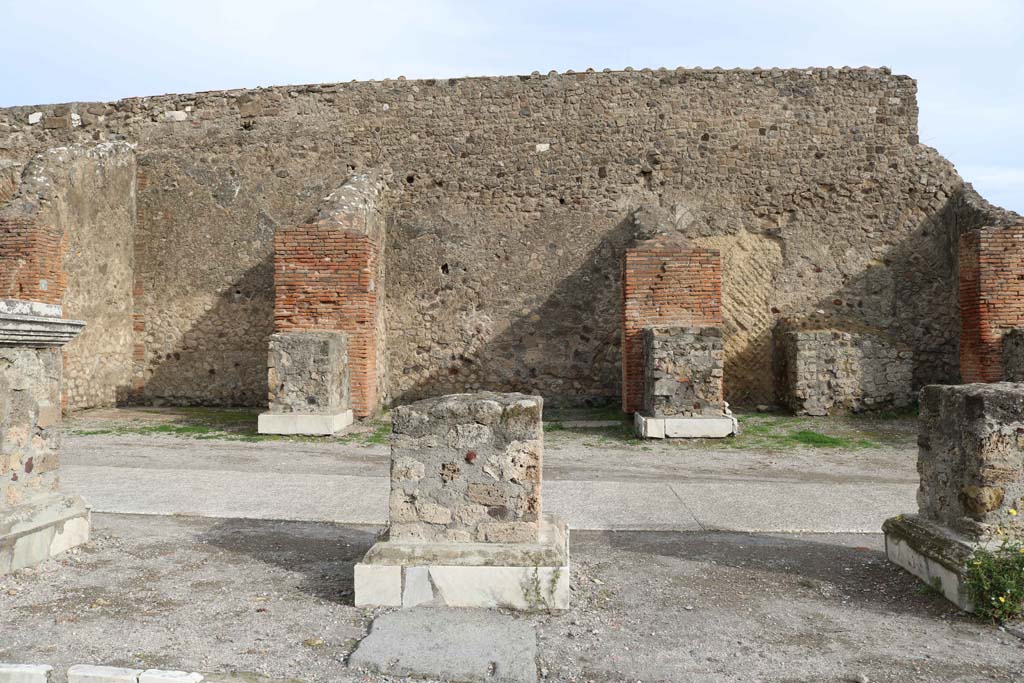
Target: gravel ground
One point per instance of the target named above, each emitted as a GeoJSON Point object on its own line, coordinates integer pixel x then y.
{"type": "Point", "coordinates": [275, 599]}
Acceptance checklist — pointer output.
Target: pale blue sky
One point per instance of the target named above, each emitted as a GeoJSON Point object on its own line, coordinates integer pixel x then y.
{"type": "Point", "coordinates": [968, 57]}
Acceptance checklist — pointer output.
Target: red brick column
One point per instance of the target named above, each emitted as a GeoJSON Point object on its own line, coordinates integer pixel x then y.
{"type": "Point", "coordinates": [665, 282]}
{"type": "Point", "coordinates": [31, 260]}
{"type": "Point", "coordinates": [991, 298]}
{"type": "Point", "coordinates": [326, 278]}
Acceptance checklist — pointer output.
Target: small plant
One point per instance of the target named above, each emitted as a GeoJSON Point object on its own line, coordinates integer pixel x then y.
{"type": "Point", "coordinates": [995, 577]}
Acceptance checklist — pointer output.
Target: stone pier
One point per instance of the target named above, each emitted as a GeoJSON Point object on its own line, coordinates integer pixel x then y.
{"type": "Point", "coordinates": [308, 384]}
{"type": "Point", "coordinates": [682, 391]}
{"type": "Point", "coordinates": [36, 520]}
{"type": "Point", "coordinates": [466, 525]}
{"type": "Point", "coordinates": [971, 463]}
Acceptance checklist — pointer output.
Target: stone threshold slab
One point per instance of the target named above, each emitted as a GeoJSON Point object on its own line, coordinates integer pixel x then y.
{"type": "Point", "coordinates": [685, 427]}
{"type": "Point", "coordinates": [304, 424]}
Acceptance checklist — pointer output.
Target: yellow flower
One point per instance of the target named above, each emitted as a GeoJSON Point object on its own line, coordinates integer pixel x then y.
{"type": "Point", "coordinates": [1002, 599]}
{"type": "Point", "coordinates": [1013, 512]}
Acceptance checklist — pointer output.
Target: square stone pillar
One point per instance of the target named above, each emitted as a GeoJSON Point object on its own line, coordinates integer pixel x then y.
{"type": "Point", "coordinates": [682, 396]}
{"type": "Point", "coordinates": [971, 462]}
{"type": "Point", "coordinates": [466, 525]}
{"type": "Point", "coordinates": [36, 520]}
{"type": "Point", "coordinates": [308, 384]}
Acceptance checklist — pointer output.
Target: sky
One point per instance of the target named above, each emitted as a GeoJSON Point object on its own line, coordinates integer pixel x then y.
{"type": "Point", "coordinates": [968, 57]}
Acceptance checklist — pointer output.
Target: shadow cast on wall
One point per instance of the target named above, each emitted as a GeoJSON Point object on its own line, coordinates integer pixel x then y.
{"type": "Point", "coordinates": [565, 345]}
{"type": "Point", "coordinates": [224, 351]}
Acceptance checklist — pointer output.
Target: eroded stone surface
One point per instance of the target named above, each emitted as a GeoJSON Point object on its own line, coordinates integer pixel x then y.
{"type": "Point", "coordinates": [1013, 356]}
{"type": "Point", "coordinates": [971, 457]}
{"type": "Point", "coordinates": [683, 368]}
{"type": "Point", "coordinates": [825, 370]}
{"type": "Point", "coordinates": [308, 372]}
{"type": "Point", "coordinates": [467, 467]}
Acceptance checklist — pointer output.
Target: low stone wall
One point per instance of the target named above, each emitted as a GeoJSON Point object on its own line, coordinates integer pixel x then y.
{"type": "Point", "coordinates": [683, 369]}
{"type": "Point", "coordinates": [971, 458]}
{"type": "Point", "coordinates": [1013, 355]}
{"type": "Point", "coordinates": [829, 371]}
{"type": "Point", "coordinates": [467, 467]}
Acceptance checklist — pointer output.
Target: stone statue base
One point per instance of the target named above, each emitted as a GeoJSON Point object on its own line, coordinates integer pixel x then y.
{"type": "Point", "coordinates": [705, 427]}
{"type": "Point", "coordinates": [524, 576]}
{"type": "Point", "coordinates": [933, 553]}
{"type": "Point", "coordinates": [36, 531]}
{"type": "Point", "coordinates": [308, 424]}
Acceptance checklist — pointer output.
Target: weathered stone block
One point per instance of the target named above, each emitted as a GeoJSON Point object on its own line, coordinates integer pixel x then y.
{"type": "Point", "coordinates": [825, 371]}
{"type": "Point", "coordinates": [467, 467]}
{"type": "Point", "coordinates": [25, 673]}
{"type": "Point", "coordinates": [683, 368]}
{"type": "Point", "coordinates": [307, 372]}
{"type": "Point", "coordinates": [971, 457]}
{"type": "Point", "coordinates": [1013, 355]}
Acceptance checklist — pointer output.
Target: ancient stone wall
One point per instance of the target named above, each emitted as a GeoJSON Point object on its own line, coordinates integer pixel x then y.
{"type": "Point", "coordinates": [824, 371]}
{"type": "Point", "coordinates": [991, 298]}
{"type": "Point", "coordinates": [67, 236]}
{"type": "Point", "coordinates": [510, 203]}
{"type": "Point", "coordinates": [683, 368]}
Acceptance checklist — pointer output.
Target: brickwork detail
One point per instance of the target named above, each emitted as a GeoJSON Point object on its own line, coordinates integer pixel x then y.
{"type": "Point", "coordinates": [828, 371]}
{"type": "Point", "coordinates": [467, 468]}
{"type": "Point", "coordinates": [665, 282]}
{"type": "Point", "coordinates": [971, 457]}
{"type": "Point", "coordinates": [30, 259]}
{"type": "Point", "coordinates": [991, 298]}
{"type": "Point", "coordinates": [683, 369]}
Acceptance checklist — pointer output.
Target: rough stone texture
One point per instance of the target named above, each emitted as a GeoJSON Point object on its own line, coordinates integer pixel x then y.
{"type": "Point", "coordinates": [971, 458]}
{"type": "Point", "coordinates": [1013, 356]}
{"type": "Point", "coordinates": [683, 369]}
{"type": "Point", "coordinates": [510, 212]}
{"type": "Point", "coordinates": [329, 275]}
{"type": "Point", "coordinates": [67, 236]}
{"type": "Point", "coordinates": [308, 372]}
{"type": "Point", "coordinates": [825, 371]}
{"type": "Point", "coordinates": [666, 282]}
{"type": "Point", "coordinates": [991, 298]}
{"type": "Point", "coordinates": [29, 423]}
{"type": "Point", "coordinates": [467, 468]}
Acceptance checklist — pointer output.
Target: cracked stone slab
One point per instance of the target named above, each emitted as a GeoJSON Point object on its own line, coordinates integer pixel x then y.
{"type": "Point", "coordinates": [450, 644]}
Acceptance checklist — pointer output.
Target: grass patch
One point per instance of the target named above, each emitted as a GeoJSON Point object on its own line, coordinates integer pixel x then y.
{"type": "Point", "coordinates": [995, 579]}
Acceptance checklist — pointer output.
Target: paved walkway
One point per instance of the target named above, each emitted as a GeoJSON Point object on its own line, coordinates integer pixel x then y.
{"type": "Point", "coordinates": [655, 487]}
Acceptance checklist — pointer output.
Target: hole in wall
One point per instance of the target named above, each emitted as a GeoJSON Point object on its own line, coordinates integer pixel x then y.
{"type": "Point", "coordinates": [444, 268]}
{"type": "Point", "coordinates": [561, 200]}
{"type": "Point", "coordinates": [410, 179]}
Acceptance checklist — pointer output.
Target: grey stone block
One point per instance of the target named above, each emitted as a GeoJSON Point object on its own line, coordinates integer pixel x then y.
{"type": "Point", "coordinates": [467, 468]}
{"type": "Point", "coordinates": [450, 645]}
{"type": "Point", "coordinates": [307, 373]}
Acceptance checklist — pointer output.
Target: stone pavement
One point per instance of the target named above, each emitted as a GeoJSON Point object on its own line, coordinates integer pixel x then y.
{"type": "Point", "coordinates": [590, 485]}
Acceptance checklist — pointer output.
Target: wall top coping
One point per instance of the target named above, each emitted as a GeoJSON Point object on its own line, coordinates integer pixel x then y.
{"type": "Point", "coordinates": [32, 324]}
